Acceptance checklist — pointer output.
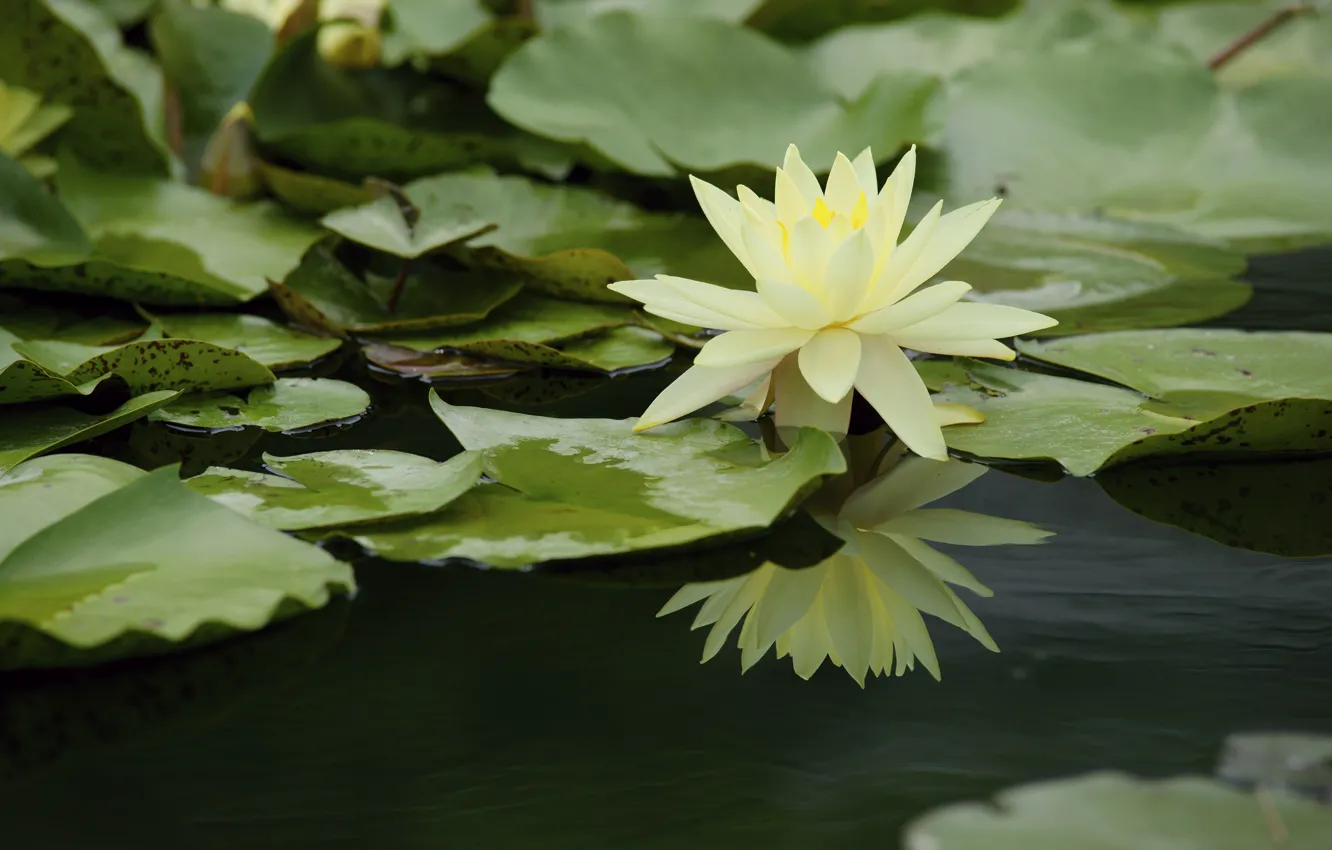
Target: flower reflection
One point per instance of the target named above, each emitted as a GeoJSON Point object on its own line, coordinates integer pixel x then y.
{"type": "Point", "coordinates": [862, 608]}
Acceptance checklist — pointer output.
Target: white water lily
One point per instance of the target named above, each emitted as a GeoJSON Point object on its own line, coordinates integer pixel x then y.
{"type": "Point", "coordinates": [862, 607]}
{"type": "Point", "coordinates": [836, 301]}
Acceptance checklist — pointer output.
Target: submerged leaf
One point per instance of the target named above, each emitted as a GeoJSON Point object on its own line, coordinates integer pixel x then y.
{"type": "Point", "coordinates": [288, 404]}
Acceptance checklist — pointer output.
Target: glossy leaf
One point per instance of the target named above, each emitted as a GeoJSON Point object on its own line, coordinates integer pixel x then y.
{"type": "Point", "coordinates": [380, 224]}
{"type": "Point", "coordinates": [571, 488]}
{"type": "Point", "coordinates": [33, 223]}
{"type": "Point", "coordinates": [266, 342]}
{"type": "Point", "coordinates": [287, 404]}
{"type": "Point", "coordinates": [340, 488]}
{"type": "Point", "coordinates": [527, 318]}
{"type": "Point", "coordinates": [35, 429]}
{"type": "Point", "coordinates": [627, 85]}
{"type": "Point", "coordinates": [133, 567]}
{"type": "Point", "coordinates": [1112, 811]}
{"type": "Point", "coordinates": [34, 320]}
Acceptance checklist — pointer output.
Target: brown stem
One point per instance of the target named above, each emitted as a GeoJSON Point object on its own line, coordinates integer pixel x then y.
{"type": "Point", "coordinates": [1258, 33]}
{"type": "Point", "coordinates": [172, 118]}
{"type": "Point", "coordinates": [522, 9]}
{"type": "Point", "coordinates": [398, 283]}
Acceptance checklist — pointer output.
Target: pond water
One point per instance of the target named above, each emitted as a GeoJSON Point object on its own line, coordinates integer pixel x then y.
{"type": "Point", "coordinates": [500, 710]}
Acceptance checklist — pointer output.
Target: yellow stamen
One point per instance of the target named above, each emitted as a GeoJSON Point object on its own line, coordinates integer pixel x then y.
{"type": "Point", "coordinates": [822, 214]}
{"type": "Point", "coordinates": [860, 213]}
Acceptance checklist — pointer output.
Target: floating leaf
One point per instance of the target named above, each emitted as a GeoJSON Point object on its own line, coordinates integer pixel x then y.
{"type": "Point", "coordinates": [309, 192]}
{"type": "Point", "coordinates": [322, 294]}
{"type": "Point", "coordinates": [340, 488]}
{"type": "Point", "coordinates": [461, 39]}
{"type": "Point", "coordinates": [1258, 506]}
{"type": "Point", "coordinates": [266, 342]}
{"type": "Point", "coordinates": [1111, 811]}
{"type": "Point", "coordinates": [71, 52]}
{"type": "Point", "coordinates": [427, 364]}
{"type": "Point", "coordinates": [138, 568]}
{"type": "Point", "coordinates": [35, 429]}
{"type": "Point", "coordinates": [288, 404]}
{"type": "Point", "coordinates": [527, 318]}
{"type": "Point", "coordinates": [28, 320]}
{"type": "Point", "coordinates": [573, 488]}
{"type": "Point", "coordinates": [558, 13]}
{"type": "Point", "coordinates": [24, 122]}
{"type": "Point", "coordinates": [800, 20]}
{"type": "Point", "coordinates": [1300, 48]}
{"type": "Point", "coordinates": [381, 224]}
{"type": "Point", "coordinates": [34, 223]}
{"type": "Point", "coordinates": [1099, 275]}
{"type": "Point", "coordinates": [626, 85]}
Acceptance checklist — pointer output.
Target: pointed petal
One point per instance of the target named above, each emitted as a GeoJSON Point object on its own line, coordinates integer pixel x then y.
{"type": "Point", "coordinates": [802, 176]}
{"type": "Point", "coordinates": [896, 568]}
{"type": "Point", "coordinates": [798, 406]}
{"type": "Point", "coordinates": [715, 604]}
{"type": "Point", "coordinates": [896, 193]}
{"type": "Point", "coordinates": [738, 304]}
{"type": "Point", "coordinates": [970, 320]}
{"type": "Point", "coordinates": [843, 188]}
{"type": "Point", "coordinates": [912, 483]}
{"type": "Point", "coordinates": [890, 384]}
{"type": "Point", "coordinates": [865, 176]}
{"type": "Point", "coordinates": [736, 347]}
{"type": "Point", "coordinates": [807, 253]}
{"type": "Point", "coordinates": [911, 628]}
{"type": "Point", "coordinates": [740, 604]}
{"type": "Point", "coordinates": [887, 289]}
{"type": "Point", "coordinates": [767, 256]}
{"type": "Point", "coordinates": [952, 234]}
{"type": "Point", "coordinates": [923, 305]}
{"type": "Point", "coordinates": [799, 306]}
{"type": "Point", "coordinates": [848, 616]}
{"type": "Point", "coordinates": [789, 202]}
{"type": "Point", "coordinates": [974, 626]}
{"type": "Point", "coordinates": [964, 528]}
{"type": "Point", "coordinates": [690, 594]}
{"type": "Point", "coordinates": [698, 387]}
{"type": "Point", "coordinates": [846, 278]}
{"type": "Point", "coordinates": [829, 362]}
{"type": "Point", "coordinates": [663, 300]}
{"type": "Point", "coordinates": [941, 565]}
{"type": "Point", "coordinates": [761, 207]}
{"type": "Point", "coordinates": [724, 214]}
{"type": "Point", "coordinates": [957, 414]}
{"type": "Point", "coordinates": [809, 642]}
{"type": "Point", "coordinates": [787, 599]}
{"type": "Point", "coordinates": [958, 348]}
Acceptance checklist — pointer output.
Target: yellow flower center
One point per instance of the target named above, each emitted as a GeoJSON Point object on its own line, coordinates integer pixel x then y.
{"type": "Point", "coordinates": [823, 214]}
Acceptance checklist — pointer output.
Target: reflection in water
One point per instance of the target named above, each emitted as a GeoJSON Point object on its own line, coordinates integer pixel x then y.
{"type": "Point", "coordinates": [861, 608]}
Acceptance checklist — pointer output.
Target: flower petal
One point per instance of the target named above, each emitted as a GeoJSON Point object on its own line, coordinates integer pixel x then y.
{"type": "Point", "coordinates": [662, 300]}
{"type": "Point", "coordinates": [807, 252]}
{"type": "Point", "coordinates": [847, 614]}
{"type": "Point", "coordinates": [802, 176]}
{"type": "Point", "coordinates": [972, 320]}
{"type": "Point", "coordinates": [964, 528]}
{"type": "Point", "coordinates": [912, 483]}
{"type": "Point", "coordinates": [766, 255]}
{"type": "Point", "coordinates": [690, 594]}
{"type": "Point", "coordinates": [843, 187]}
{"type": "Point", "coordinates": [799, 306]}
{"type": "Point", "coordinates": [700, 386]}
{"type": "Point", "coordinates": [896, 568]}
{"type": "Point", "coordinates": [724, 214]}
{"type": "Point", "coordinates": [952, 234]}
{"type": "Point", "coordinates": [808, 642]}
{"type": "Point", "coordinates": [735, 347]}
{"type": "Point", "coordinates": [890, 384]}
{"type": "Point", "coordinates": [910, 627]}
{"type": "Point", "coordinates": [942, 565]}
{"type": "Point", "coordinates": [738, 304]}
{"type": "Point", "coordinates": [798, 406]}
{"type": "Point", "coordinates": [923, 305]}
{"type": "Point", "coordinates": [957, 414]}
{"type": "Point", "coordinates": [896, 194]}
{"type": "Point", "coordinates": [829, 362]}
{"type": "Point", "coordinates": [762, 207]}
{"type": "Point", "coordinates": [957, 348]}
{"type": "Point", "coordinates": [865, 176]}
{"type": "Point", "coordinates": [786, 600]}
{"type": "Point", "coordinates": [846, 278]}
{"type": "Point", "coordinates": [738, 607]}
{"type": "Point", "coordinates": [886, 288]}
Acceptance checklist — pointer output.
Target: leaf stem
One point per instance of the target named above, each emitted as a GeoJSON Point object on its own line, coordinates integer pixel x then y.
{"type": "Point", "coordinates": [1258, 33]}
{"type": "Point", "coordinates": [398, 284]}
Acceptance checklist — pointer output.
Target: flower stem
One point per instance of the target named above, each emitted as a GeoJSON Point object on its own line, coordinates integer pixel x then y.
{"type": "Point", "coordinates": [398, 284]}
{"type": "Point", "coordinates": [1258, 33]}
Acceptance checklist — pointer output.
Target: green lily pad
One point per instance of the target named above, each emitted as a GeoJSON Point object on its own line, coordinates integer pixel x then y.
{"type": "Point", "coordinates": [1300, 48]}
{"type": "Point", "coordinates": [28, 320]}
{"type": "Point", "coordinates": [527, 318]}
{"type": "Point", "coordinates": [801, 20]}
{"type": "Point", "coordinates": [309, 192]}
{"type": "Point", "coordinates": [34, 223]}
{"type": "Point", "coordinates": [574, 488]}
{"type": "Point", "coordinates": [558, 13]}
{"type": "Point", "coordinates": [140, 568]}
{"type": "Point", "coordinates": [22, 379]}
{"type": "Point", "coordinates": [211, 55]}
{"type": "Point", "coordinates": [1139, 131]}
{"type": "Point", "coordinates": [1099, 275]}
{"type": "Point", "coordinates": [1258, 506]}
{"type": "Point", "coordinates": [1200, 372]}
{"type": "Point", "coordinates": [24, 122]}
{"type": "Point", "coordinates": [266, 342]}
{"type": "Point", "coordinates": [380, 224]}
{"type": "Point", "coordinates": [1085, 426]}
{"type": "Point", "coordinates": [288, 404]}
{"type": "Point", "coordinates": [71, 52]}
{"type": "Point", "coordinates": [340, 488]}
{"type": "Point", "coordinates": [1112, 811]}
{"type": "Point", "coordinates": [462, 39]}
{"type": "Point", "coordinates": [626, 85]}
{"type": "Point", "coordinates": [153, 444]}
{"type": "Point", "coordinates": [322, 294]}
{"type": "Point", "coordinates": [35, 429]}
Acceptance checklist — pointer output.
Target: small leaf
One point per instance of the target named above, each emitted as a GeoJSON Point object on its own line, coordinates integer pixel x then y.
{"type": "Point", "coordinates": [288, 404]}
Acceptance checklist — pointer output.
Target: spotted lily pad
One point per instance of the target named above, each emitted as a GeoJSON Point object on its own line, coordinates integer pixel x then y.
{"type": "Point", "coordinates": [287, 404]}
{"type": "Point", "coordinates": [108, 562]}
{"type": "Point", "coordinates": [572, 488]}
{"type": "Point", "coordinates": [340, 488]}
{"type": "Point", "coordinates": [266, 342]}
{"type": "Point", "coordinates": [35, 429]}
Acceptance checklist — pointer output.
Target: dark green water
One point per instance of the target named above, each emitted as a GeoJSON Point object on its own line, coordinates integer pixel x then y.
{"type": "Point", "coordinates": [454, 708]}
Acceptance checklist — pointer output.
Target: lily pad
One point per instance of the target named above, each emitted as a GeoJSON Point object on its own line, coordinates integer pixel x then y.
{"type": "Point", "coordinates": [71, 52]}
{"type": "Point", "coordinates": [627, 86]}
{"type": "Point", "coordinates": [35, 429]}
{"type": "Point", "coordinates": [138, 568]}
{"type": "Point", "coordinates": [322, 294]}
{"type": "Point", "coordinates": [1099, 275]}
{"type": "Point", "coordinates": [288, 404]}
{"type": "Point", "coordinates": [1300, 48]}
{"type": "Point", "coordinates": [34, 223]}
{"type": "Point", "coordinates": [527, 318]}
{"type": "Point", "coordinates": [1260, 506]}
{"type": "Point", "coordinates": [309, 192]}
{"type": "Point", "coordinates": [30, 320]}
{"type": "Point", "coordinates": [1112, 811]}
{"type": "Point", "coordinates": [266, 342]}
{"type": "Point", "coordinates": [1085, 426]}
{"type": "Point", "coordinates": [381, 224]}
{"type": "Point", "coordinates": [1292, 761]}
{"type": "Point", "coordinates": [24, 122]}
{"type": "Point", "coordinates": [340, 488]}
{"type": "Point", "coordinates": [573, 488]}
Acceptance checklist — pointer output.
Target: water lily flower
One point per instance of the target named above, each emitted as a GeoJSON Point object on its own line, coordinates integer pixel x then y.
{"type": "Point", "coordinates": [862, 608]}
{"type": "Point", "coordinates": [837, 299]}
